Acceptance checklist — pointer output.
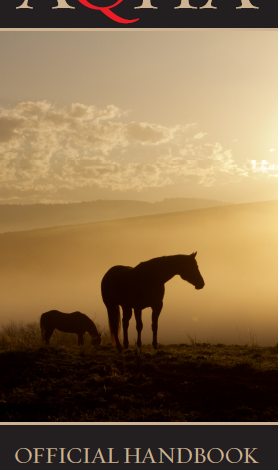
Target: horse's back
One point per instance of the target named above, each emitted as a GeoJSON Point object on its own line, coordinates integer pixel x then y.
{"type": "Point", "coordinates": [49, 317]}
{"type": "Point", "coordinates": [66, 322]}
{"type": "Point", "coordinates": [113, 273]}
{"type": "Point", "coordinates": [113, 281]}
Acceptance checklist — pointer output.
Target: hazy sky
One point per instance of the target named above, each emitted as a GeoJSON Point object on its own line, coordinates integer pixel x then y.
{"type": "Point", "coordinates": [138, 115]}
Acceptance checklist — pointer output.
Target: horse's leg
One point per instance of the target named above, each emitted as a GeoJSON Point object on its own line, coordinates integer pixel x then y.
{"type": "Point", "coordinates": [43, 331]}
{"type": "Point", "coordinates": [156, 312]}
{"type": "Point", "coordinates": [139, 325]}
{"type": "Point", "coordinates": [80, 339]}
{"type": "Point", "coordinates": [127, 314]}
{"type": "Point", "coordinates": [47, 335]}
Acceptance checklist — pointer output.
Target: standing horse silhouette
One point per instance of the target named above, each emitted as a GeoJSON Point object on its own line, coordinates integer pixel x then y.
{"type": "Point", "coordinates": [141, 287]}
{"type": "Point", "coordinates": [75, 322]}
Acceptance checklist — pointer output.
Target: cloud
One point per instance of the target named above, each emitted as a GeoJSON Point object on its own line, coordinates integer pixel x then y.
{"type": "Point", "coordinates": [30, 108]}
{"type": "Point", "coordinates": [45, 148]}
{"type": "Point", "coordinates": [153, 134]}
{"type": "Point", "coordinates": [10, 128]}
{"type": "Point", "coordinates": [262, 169]}
{"type": "Point", "coordinates": [200, 135]}
{"type": "Point", "coordinates": [207, 163]}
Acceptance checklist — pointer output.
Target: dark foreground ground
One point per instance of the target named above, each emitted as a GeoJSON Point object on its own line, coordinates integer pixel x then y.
{"type": "Point", "coordinates": [198, 383]}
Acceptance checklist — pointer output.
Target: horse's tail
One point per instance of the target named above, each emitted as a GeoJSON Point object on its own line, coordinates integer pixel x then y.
{"type": "Point", "coordinates": [114, 319]}
{"type": "Point", "coordinates": [41, 321]}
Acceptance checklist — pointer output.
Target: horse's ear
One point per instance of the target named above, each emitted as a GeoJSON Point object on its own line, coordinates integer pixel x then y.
{"type": "Point", "coordinates": [194, 254]}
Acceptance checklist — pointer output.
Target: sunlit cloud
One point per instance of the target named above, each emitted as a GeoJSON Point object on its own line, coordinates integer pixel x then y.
{"type": "Point", "coordinates": [200, 135]}
{"type": "Point", "coordinates": [263, 168]}
{"type": "Point", "coordinates": [45, 148]}
{"type": "Point", "coordinates": [151, 134]}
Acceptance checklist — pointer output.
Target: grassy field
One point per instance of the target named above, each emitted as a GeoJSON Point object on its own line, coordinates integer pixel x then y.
{"type": "Point", "coordinates": [180, 382]}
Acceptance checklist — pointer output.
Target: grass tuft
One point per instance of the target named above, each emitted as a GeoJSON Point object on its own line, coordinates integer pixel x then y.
{"type": "Point", "coordinates": [192, 341]}
{"type": "Point", "coordinates": [15, 336]}
{"type": "Point", "coordinates": [253, 342]}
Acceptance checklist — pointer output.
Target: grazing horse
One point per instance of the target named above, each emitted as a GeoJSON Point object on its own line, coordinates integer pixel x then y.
{"type": "Point", "coordinates": [75, 322]}
{"type": "Point", "coordinates": [141, 287]}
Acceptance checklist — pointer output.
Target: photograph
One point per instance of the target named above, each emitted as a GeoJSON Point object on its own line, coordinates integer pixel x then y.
{"type": "Point", "coordinates": [138, 226]}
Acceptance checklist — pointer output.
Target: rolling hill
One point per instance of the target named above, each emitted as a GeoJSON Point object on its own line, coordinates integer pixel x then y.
{"type": "Point", "coordinates": [15, 217]}
{"type": "Point", "coordinates": [62, 267]}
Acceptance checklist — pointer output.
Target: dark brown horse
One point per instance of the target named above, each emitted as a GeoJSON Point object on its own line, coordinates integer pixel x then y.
{"type": "Point", "coordinates": [141, 287]}
{"type": "Point", "coordinates": [75, 322]}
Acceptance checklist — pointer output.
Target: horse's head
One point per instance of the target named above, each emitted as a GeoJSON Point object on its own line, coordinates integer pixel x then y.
{"type": "Point", "coordinates": [190, 271]}
{"type": "Point", "coordinates": [96, 340]}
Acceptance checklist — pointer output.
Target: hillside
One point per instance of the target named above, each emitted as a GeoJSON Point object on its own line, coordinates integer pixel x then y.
{"type": "Point", "coordinates": [14, 217]}
{"type": "Point", "coordinates": [61, 268]}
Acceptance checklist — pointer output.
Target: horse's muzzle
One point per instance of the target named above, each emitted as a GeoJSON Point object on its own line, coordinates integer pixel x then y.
{"type": "Point", "coordinates": [200, 286]}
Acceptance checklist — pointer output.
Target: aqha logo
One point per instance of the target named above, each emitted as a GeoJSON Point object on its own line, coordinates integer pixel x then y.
{"type": "Point", "coordinates": [146, 4]}
{"type": "Point", "coordinates": [106, 10]}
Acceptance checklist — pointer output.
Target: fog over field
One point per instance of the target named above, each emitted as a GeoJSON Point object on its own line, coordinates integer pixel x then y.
{"type": "Point", "coordinates": [62, 267]}
{"type": "Point", "coordinates": [133, 119]}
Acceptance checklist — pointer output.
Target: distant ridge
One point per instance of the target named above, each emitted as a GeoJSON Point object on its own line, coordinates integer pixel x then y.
{"type": "Point", "coordinates": [16, 217]}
